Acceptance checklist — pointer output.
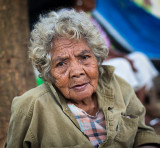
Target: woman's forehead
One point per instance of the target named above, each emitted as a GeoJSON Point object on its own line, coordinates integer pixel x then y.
{"type": "Point", "coordinates": [67, 45]}
{"type": "Point", "coordinates": [64, 43]}
{"type": "Point", "coordinates": [67, 41]}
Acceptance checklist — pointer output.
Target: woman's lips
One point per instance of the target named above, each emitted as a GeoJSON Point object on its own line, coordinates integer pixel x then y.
{"type": "Point", "coordinates": [80, 87]}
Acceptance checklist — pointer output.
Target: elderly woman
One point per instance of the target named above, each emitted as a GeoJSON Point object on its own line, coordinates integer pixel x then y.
{"type": "Point", "coordinates": [82, 104]}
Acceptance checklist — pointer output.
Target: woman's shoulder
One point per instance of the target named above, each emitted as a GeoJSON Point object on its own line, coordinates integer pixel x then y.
{"type": "Point", "coordinates": [36, 92]}
{"type": "Point", "coordinates": [24, 104]}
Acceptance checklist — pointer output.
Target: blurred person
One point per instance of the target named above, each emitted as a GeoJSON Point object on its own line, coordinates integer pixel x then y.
{"type": "Point", "coordinates": [81, 103]}
{"type": "Point", "coordinates": [155, 7]}
{"type": "Point", "coordinates": [135, 67]}
{"type": "Point", "coordinates": [151, 6]}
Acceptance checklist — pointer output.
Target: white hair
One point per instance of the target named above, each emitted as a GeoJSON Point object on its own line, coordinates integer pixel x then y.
{"type": "Point", "coordinates": [64, 23]}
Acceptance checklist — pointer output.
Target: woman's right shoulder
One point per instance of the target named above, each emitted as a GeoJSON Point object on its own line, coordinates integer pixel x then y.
{"type": "Point", "coordinates": [24, 104]}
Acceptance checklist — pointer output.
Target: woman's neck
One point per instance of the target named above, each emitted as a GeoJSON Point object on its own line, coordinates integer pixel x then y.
{"type": "Point", "coordinates": [89, 105]}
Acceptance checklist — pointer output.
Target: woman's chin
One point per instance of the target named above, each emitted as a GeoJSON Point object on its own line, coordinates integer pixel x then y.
{"type": "Point", "coordinates": [81, 95]}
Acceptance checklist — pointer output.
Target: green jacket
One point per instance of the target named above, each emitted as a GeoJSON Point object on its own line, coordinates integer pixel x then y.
{"type": "Point", "coordinates": [41, 118]}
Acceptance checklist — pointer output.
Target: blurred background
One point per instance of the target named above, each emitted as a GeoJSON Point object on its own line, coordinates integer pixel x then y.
{"type": "Point", "coordinates": [130, 25]}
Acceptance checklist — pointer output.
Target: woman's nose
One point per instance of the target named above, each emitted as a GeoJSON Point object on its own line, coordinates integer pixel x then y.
{"type": "Point", "coordinates": [76, 70]}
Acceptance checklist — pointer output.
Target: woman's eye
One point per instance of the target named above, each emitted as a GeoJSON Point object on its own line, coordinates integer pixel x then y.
{"type": "Point", "coordinates": [60, 64]}
{"type": "Point", "coordinates": [85, 57]}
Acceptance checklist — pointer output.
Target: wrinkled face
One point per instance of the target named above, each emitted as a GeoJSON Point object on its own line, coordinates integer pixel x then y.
{"type": "Point", "coordinates": [74, 68]}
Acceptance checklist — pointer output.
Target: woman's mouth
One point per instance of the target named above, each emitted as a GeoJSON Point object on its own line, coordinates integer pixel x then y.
{"type": "Point", "coordinates": [80, 87]}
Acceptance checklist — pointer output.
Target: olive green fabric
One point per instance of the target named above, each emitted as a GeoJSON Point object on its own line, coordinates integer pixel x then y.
{"type": "Point", "coordinates": [41, 118]}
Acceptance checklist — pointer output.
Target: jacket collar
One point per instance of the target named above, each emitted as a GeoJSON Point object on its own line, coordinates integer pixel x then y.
{"type": "Point", "coordinates": [105, 91]}
{"type": "Point", "coordinates": [108, 72]}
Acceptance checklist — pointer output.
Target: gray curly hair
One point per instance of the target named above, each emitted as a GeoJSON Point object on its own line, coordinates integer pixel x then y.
{"type": "Point", "coordinates": [63, 23]}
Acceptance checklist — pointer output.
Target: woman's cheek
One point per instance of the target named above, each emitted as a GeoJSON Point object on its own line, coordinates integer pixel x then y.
{"type": "Point", "coordinates": [60, 82]}
{"type": "Point", "coordinates": [62, 85]}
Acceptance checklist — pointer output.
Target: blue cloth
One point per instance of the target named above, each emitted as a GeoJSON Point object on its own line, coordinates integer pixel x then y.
{"type": "Point", "coordinates": [130, 25]}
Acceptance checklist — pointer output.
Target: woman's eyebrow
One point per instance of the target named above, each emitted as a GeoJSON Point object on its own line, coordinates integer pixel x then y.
{"type": "Point", "coordinates": [60, 59]}
{"type": "Point", "coordinates": [84, 52]}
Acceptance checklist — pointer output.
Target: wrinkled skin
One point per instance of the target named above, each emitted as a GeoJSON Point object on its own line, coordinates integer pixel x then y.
{"type": "Point", "coordinates": [74, 68]}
